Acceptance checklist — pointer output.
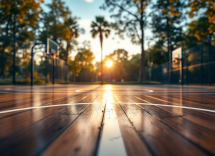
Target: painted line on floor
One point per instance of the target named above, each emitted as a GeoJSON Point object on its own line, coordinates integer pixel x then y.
{"type": "Point", "coordinates": [48, 106]}
{"type": "Point", "coordinates": [184, 107]}
{"type": "Point", "coordinates": [60, 105]}
{"type": "Point", "coordinates": [111, 142]}
{"type": "Point", "coordinates": [150, 92]}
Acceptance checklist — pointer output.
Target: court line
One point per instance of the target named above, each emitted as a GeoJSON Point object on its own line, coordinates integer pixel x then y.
{"type": "Point", "coordinates": [48, 106]}
{"type": "Point", "coordinates": [111, 141]}
{"type": "Point", "coordinates": [184, 107]}
{"type": "Point", "coordinates": [59, 105]}
{"type": "Point", "coordinates": [115, 92]}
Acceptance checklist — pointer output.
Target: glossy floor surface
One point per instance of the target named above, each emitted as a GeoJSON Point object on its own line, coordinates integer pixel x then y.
{"type": "Point", "coordinates": [107, 120]}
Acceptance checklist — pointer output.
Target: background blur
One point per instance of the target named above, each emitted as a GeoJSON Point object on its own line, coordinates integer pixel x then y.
{"type": "Point", "coordinates": [169, 25]}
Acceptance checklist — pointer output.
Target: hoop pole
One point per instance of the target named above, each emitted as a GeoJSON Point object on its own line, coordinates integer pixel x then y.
{"type": "Point", "coordinates": [14, 52]}
{"type": "Point", "coordinates": [182, 72]}
{"type": "Point", "coordinates": [53, 71]}
{"type": "Point", "coordinates": [32, 66]}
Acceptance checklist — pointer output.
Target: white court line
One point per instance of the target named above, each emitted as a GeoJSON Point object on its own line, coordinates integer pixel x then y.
{"type": "Point", "coordinates": [28, 108]}
{"type": "Point", "coordinates": [115, 92]}
{"type": "Point", "coordinates": [184, 107]}
{"type": "Point", "coordinates": [111, 142]}
{"type": "Point", "coordinates": [59, 105]}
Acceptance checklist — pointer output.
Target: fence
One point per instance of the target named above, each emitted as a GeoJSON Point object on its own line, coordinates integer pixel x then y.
{"type": "Point", "coordinates": [43, 66]}
{"type": "Point", "coordinates": [198, 64]}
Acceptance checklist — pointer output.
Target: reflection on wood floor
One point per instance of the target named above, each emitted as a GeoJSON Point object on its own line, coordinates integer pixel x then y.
{"type": "Point", "coordinates": [110, 120]}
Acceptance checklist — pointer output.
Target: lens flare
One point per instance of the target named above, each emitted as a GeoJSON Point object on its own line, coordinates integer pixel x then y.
{"type": "Point", "coordinates": [109, 63]}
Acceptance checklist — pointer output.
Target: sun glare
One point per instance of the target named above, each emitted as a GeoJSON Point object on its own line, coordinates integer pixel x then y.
{"type": "Point", "coordinates": [109, 63]}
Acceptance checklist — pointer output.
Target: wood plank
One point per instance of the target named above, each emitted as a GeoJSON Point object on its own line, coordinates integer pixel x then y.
{"type": "Point", "coordinates": [134, 145]}
{"type": "Point", "coordinates": [16, 122]}
{"type": "Point", "coordinates": [81, 137]}
{"type": "Point", "coordinates": [34, 139]}
{"type": "Point", "coordinates": [161, 139]}
{"type": "Point", "coordinates": [205, 119]}
{"type": "Point", "coordinates": [68, 99]}
{"type": "Point", "coordinates": [198, 135]}
{"type": "Point", "coordinates": [185, 103]}
{"type": "Point", "coordinates": [178, 102]}
{"type": "Point", "coordinates": [29, 101]}
{"type": "Point", "coordinates": [202, 98]}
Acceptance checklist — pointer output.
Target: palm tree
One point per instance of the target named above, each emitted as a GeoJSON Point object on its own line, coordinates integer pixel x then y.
{"type": "Point", "coordinates": [100, 27]}
{"type": "Point", "coordinates": [71, 32]}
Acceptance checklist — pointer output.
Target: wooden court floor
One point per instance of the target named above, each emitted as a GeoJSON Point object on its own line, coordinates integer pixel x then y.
{"type": "Point", "coordinates": [107, 120]}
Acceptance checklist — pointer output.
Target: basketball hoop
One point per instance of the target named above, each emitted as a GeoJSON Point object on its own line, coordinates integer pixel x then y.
{"type": "Point", "coordinates": [175, 59]}
{"type": "Point", "coordinates": [54, 55]}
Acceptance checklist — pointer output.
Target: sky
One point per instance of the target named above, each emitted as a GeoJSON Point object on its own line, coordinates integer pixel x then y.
{"type": "Point", "coordinates": [86, 10]}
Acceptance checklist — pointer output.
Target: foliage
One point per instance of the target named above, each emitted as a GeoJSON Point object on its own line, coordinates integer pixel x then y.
{"type": "Point", "coordinates": [24, 12]}
{"type": "Point", "coordinates": [205, 6]}
{"type": "Point", "coordinates": [29, 23]}
{"type": "Point", "coordinates": [52, 21]}
{"type": "Point", "coordinates": [206, 22]}
{"type": "Point", "coordinates": [167, 23]}
{"type": "Point", "coordinates": [5, 63]}
{"type": "Point", "coordinates": [202, 29]}
{"type": "Point", "coordinates": [157, 54]}
{"type": "Point", "coordinates": [83, 60]}
{"type": "Point", "coordinates": [119, 58]}
{"type": "Point", "coordinates": [130, 18]}
{"type": "Point", "coordinates": [133, 68]}
{"type": "Point", "coordinates": [70, 32]}
{"type": "Point", "coordinates": [100, 27]}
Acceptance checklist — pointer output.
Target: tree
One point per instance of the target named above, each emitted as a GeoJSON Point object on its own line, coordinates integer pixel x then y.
{"type": "Point", "coordinates": [52, 21]}
{"type": "Point", "coordinates": [133, 67]}
{"type": "Point", "coordinates": [207, 7]}
{"type": "Point", "coordinates": [119, 55]}
{"type": "Point", "coordinates": [19, 17]}
{"type": "Point", "coordinates": [82, 63]}
{"type": "Point", "coordinates": [131, 18]}
{"type": "Point", "coordinates": [100, 27]}
{"type": "Point", "coordinates": [188, 41]}
{"type": "Point", "coordinates": [70, 33]}
{"type": "Point", "coordinates": [202, 30]}
{"type": "Point", "coordinates": [119, 69]}
{"type": "Point", "coordinates": [157, 54]}
{"type": "Point", "coordinates": [166, 23]}
{"type": "Point", "coordinates": [25, 12]}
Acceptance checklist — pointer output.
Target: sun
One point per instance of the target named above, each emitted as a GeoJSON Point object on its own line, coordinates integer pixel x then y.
{"type": "Point", "coordinates": [109, 63]}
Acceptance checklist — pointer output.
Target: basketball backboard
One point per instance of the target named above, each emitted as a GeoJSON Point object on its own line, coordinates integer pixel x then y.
{"type": "Point", "coordinates": [52, 47]}
{"type": "Point", "coordinates": [177, 54]}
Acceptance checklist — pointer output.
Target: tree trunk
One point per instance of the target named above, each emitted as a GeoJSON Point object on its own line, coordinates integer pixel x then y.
{"type": "Point", "coordinates": [101, 41]}
{"type": "Point", "coordinates": [169, 51]}
{"type": "Point", "coordinates": [14, 53]}
{"type": "Point", "coordinates": [6, 31]}
{"type": "Point", "coordinates": [142, 60]}
{"type": "Point", "coordinates": [67, 52]}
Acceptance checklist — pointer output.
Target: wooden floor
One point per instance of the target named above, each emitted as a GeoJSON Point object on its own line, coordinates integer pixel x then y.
{"type": "Point", "coordinates": [107, 120]}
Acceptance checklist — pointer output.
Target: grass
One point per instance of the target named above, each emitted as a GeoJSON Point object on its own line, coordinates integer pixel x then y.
{"type": "Point", "coordinates": [91, 83]}
{"type": "Point", "coordinates": [22, 83]}
{"type": "Point", "coordinates": [77, 83]}
{"type": "Point", "coordinates": [6, 83]}
{"type": "Point", "coordinates": [120, 83]}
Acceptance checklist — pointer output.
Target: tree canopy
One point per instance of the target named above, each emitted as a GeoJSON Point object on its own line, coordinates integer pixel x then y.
{"type": "Point", "coordinates": [130, 18]}
{"type": "Point", "coordinates": [100, 27]}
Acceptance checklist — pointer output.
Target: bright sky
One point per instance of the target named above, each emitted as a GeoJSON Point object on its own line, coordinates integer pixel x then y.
{"type": "Point", "coordinates": [87, 10]}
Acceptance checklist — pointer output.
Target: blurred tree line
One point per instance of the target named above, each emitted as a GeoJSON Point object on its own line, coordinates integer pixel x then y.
{"type": "Point", "coordinates": [178, 23]}
{"type": "Point", "coordinates": [174, 23]}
